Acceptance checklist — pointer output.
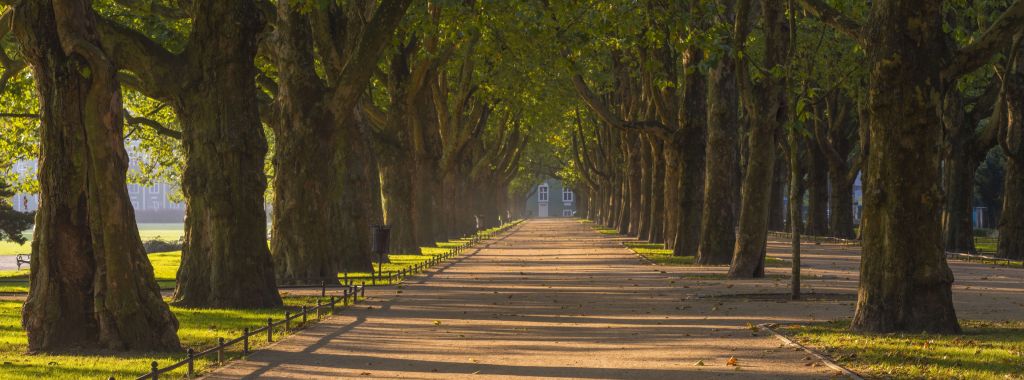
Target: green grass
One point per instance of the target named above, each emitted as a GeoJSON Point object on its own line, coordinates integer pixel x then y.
{"type": "Point", "coordinates": [607, 231]}
{"type": "Point", "coordinates": [165, 264]}
{"type": "Point", "coordinates": [147, 231]}
{"type": "Point", "coordinates": [986, 350]}
{"type": "Point", "coordinates": [198, 328]}
{"type": "Point", "coordinates": [657, 253]}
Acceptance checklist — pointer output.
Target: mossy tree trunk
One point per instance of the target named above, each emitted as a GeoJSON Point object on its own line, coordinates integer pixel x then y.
{"type": "Point", "coordinates": [1011, 139]}
{"type": "Point", "coordinates": [692, 140]}
{"type": "Point", "coordinates": [225, 260]}
{"type": "Point", "coordinates": [646, 167]}
{"type": "Point", "coordinates": [92, 285]}
{"type": "Point", "coordinates": [657, 192]}
{"type": "Point", "coordinates": [767, 111]}
{"type": "Point", "coordinates": [718, 231]}
{"type": "Point", "coordinates": [817, 188]}
{"type": "Point", "coordinates": [905, 282]}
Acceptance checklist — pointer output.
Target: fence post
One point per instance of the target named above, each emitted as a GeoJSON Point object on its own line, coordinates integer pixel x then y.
{"type": "Point", "coordinates": [287, 321]}
{"type": "Point", "coordinates": [245, 341]}
{"type": "Point", "coordinates": [362, 290]}
{"type": "Point", "coordinates": [346, 278]}
{"type": "Point", "coordinates": [191, 362]}
{"type": "Point", "coordinates": [154, 371]}
{"type": "Point", "coordinates": [344, 296]}
{"type": "Point", "coordinates": [323, 288]}
{"type": "Point", "coordinates": [332, 305]}
{"type": "Point", "coordinates": [318, 306]}
{"type": "Point", "coordinates": [303, 315]}
{"type": "Point", "coordinates": [220, 350]}
{"type": "Point", "coordinates": [270, 329]}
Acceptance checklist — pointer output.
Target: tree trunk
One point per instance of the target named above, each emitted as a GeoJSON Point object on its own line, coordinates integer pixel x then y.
{"type": "Point", "coordinates": [1011, 224]}
{"type": "Point", "coordinates": [91, 283]}
{"type": "Point", "coordinates": [634, 177]}
{"type": "Point", "coordinates": [768, 112]}
{"type": "Point", "coordinates": [670, 193]}
{"type": "Point", "coordinates": [1011, 221]}
{"type": "Point", "coordinates": [657, 192]}
{"type": "Point", "coordinates": [396, 191]}
{"type": "Point", "coordinates": [718, 231]}
{"type": "Point", "coordinates": [958, 231]}
{"type": "Point", "coordinates": [905, 283]}
{"type": "Point", "coordinates": [306, 239]}
{"type": "Point", "coordinates": [646, 167]}
{"type": "Point", "coordinates": [840, 204]}
{"type": "Point", "coordinates": [817, 186]}
{"type": "Point", "coordinates": [225, 260]}
{"type": "Point", "coordinates": [693, 136]}
{"type": "Point", "coordinates": [777, 210]}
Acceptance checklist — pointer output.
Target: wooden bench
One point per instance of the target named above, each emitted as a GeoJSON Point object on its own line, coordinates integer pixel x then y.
{"type": "Point", "coordinates": [23, 258]}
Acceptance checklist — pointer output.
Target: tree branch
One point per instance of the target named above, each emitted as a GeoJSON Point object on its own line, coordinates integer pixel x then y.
{"type": "Point", "coordinates": [16, 115]}
{"type": "Point", "coordinates": [358, 69]}
{"type": "Point", "coordinates": [834, 18]}
{"type": "Point", "coordinates": [152, 124]}
{"type": "Point", "coordinates": [156, 69]}
{"type": "Point", "coordinates": [1000, 34]}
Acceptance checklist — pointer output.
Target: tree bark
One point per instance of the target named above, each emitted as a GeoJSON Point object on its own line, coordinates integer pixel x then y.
{"type": "Point", "coordinates": [225, 260]}
{"type": "Point", "coordinates": [905, 282]}
{"type": "Point", "coordinates": [670, 190]}
{"type": "Point", "coordinates": [692, 141]}
{"type": "Point", "coordinates": [817, 186]}
{"type": "Point", "coordinates": [91, 283]}
{"type": "Point", "coordinates": [718, 221]}
{"type": "Point", "coordinates": [768, 110]}
{"type": "Point", "coordinates": [1011, 224]}
{"type": "Point", "coordinates": [1011, 139]}
{"type": "Point", "coordinates": [634, 192]}
{"type": "Point", "coordinates": [397, 196]}
{"type": "Point", "coordinates": [657, 192]}
{"type": "Point", "coordinates": [777, 209]}
{"type": "Point", "coordinates": [646, 167]}
{"type": "Point", "coordinates": [840, 204]}
{"type": "Point", "coordinates": [306, 240]}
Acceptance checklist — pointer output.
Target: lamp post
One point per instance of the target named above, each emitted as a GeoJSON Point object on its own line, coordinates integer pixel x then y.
{"type": "Point", "coordinates": [381, 240]}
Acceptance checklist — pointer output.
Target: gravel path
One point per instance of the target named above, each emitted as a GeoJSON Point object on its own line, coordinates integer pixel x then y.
{"type": "Point", "coordinates": [552, 299]}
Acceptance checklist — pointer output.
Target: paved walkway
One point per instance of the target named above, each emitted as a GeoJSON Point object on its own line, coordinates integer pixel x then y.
{"type": "Point", "coordinates": [552, 299]}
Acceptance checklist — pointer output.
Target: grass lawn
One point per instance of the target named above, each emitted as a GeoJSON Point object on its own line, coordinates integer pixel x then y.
{"type": "Point", "coordinates": [986, 350]}
{"type": "Point", "coordinates": [198, 328]}
{"type": "Point", "coordinates": [165, 264]}
{"type": "Point", "coordinates": [147, 231]}
{"type": "Point", "coordinates": [657, 253]}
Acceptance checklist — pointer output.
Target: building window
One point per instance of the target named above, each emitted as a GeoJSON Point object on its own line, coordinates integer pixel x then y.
{"type": "Point", "coordinates": [566, 195]}
{"type": "Point", "coordinates": [542, 193]}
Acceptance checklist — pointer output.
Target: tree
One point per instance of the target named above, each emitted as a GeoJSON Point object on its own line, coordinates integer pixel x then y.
{"type": "Point", "coordinates": [905, 283]}
{"type": "Point", "coordinates": [1011, 139]}
{"type": "Point", "coordinates": [718, 232]}
{"type": "Point", "coordinates": [211, 87]}
{"type": "Point", "coordinates": [765, 103]}
{"type": "Point", "coordinates": [12, 222]}
{"type": "Point", "coordinates": [320, 227]}
{"type": "Point", "coordinates": [91, 282]}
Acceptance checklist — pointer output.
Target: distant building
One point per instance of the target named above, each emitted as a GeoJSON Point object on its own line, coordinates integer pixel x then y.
{"type": "Point", "coordinates": [153, 204]}
{"type": "Point", "coordinates": [551, 199]}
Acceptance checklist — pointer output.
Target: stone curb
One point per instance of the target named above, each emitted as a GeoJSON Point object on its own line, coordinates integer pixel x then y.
{"type": "Point", "coordinates": [824, 359]}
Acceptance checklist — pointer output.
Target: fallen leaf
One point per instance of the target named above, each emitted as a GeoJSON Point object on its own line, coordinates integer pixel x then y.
{"type": "Point", "coordinates": [732, 361]}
